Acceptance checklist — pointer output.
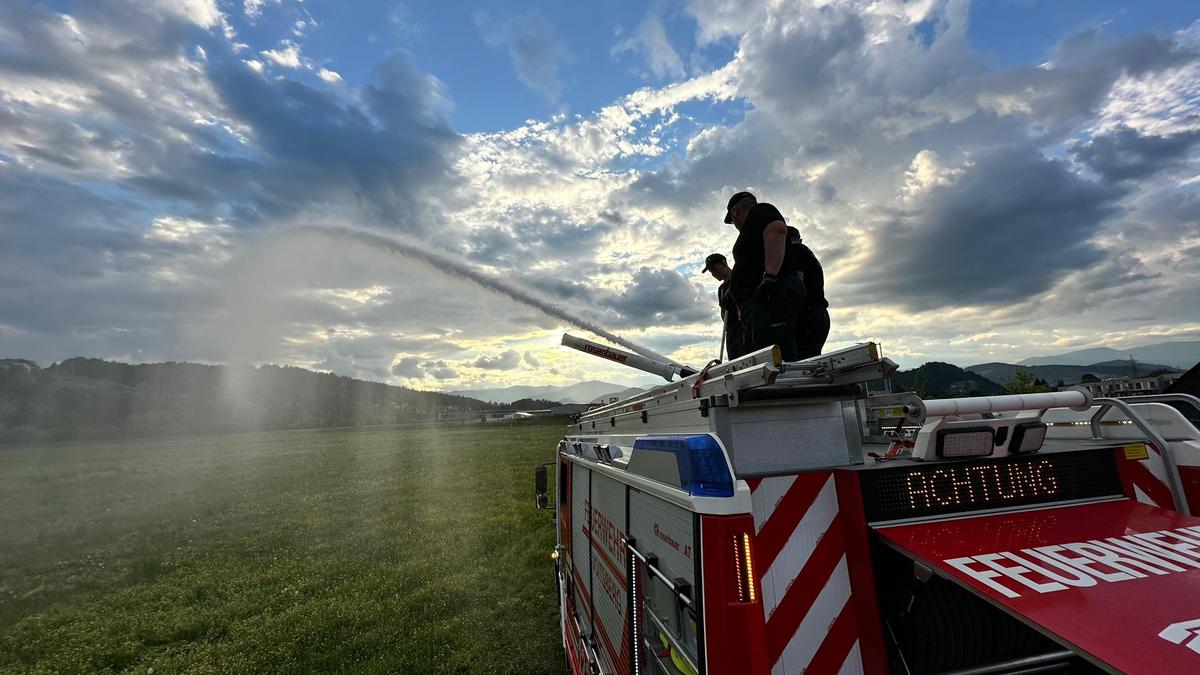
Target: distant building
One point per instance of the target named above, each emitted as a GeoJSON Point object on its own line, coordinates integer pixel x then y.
{"type": "Point", "coordinates": [1117, 387]}
{"type": "Point", "coordinates": [458, 416]}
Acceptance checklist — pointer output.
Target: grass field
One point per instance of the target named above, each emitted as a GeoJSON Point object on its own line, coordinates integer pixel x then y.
{"type": "Point", "coordinates": [401, 549]}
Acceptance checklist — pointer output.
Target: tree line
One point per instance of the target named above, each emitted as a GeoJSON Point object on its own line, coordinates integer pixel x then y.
{"type": "Point", "coordinates": [83, 398]}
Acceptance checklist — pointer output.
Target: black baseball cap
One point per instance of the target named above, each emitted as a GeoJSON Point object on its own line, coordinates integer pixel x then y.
{"type": "Point", "coordinates": [737, 197]}
{"type": "Point", "coordinates": [712, 260]}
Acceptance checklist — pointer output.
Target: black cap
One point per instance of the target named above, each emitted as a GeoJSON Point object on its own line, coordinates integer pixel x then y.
{"type": "Point", "coordinates": [713, 259]}
{"type": "Point", "coordinates": [732, 201]}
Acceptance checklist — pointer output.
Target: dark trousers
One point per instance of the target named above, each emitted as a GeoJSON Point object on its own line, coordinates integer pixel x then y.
{"type": "Point", "coordinates": [772, 321]}
{"type": "Point", "coordinates": [812, 329]}
{"type": "Point", "coordinates": [735, 340]}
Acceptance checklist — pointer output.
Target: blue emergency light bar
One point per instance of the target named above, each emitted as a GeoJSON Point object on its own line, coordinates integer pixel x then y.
{"type": "Point", "coordinates": [703, 471]}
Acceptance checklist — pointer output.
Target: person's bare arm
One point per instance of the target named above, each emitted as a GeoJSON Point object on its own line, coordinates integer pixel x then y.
{"type": "Point", "coordinates": [774, 244]}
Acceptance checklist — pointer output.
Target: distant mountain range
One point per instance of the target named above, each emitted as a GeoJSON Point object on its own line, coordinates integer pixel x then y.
{"type": "Point", "coordinates": [580, 392]}
{"type": "Point", "coordinates": [999, 372]}
{"type": "Point", "coordinates": [1180, 355]}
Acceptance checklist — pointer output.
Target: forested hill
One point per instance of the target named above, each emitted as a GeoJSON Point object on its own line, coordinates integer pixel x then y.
{"type": "Point", "coordinates": [941, 380]}
{"type": "Point", "coordinates": [93, 399]}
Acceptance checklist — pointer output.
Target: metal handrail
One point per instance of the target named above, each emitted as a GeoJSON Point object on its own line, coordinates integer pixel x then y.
{"type": "Point", "coordinates": [589, 649]}
{"type": "Point", "coordinates": [673, 640]}
{"type": "Point", "coordinates": [1030, 663]}
{"type": "Point", "coordinates": [662, 577]}
{"type": "Point", "coordinates": [1172, 472]}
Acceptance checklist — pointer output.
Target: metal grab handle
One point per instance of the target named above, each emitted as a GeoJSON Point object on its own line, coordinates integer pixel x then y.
{"type": "Point", "coordinates": [588, 648]}
{"type": "Point", "coordinates": [683, 597]}
{"type": "Point", "coordinates": [1156, 438]}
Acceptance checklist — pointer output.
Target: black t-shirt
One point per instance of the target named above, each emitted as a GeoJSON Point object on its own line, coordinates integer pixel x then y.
{"type": "Point", "coordinates": [749, 256]}
{"type": "Point", "coordinates": [725, 298]}
{"type": "Point", "coordinates": [800, 257]}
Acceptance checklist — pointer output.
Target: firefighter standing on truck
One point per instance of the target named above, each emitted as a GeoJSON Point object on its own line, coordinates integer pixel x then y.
{"type": "Point", "coordinates": [812, 326]}
{"type": "Point", "coordinates": [764, 284]}
{"type": "Point", "coordinates": [716, 265]}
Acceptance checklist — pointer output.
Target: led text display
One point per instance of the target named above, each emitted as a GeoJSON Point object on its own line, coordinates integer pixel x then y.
{"type": "Point", "coordinates": [893, 493]}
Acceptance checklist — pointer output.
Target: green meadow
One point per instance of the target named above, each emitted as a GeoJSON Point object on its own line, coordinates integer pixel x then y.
{"type": "Point", "coordinates": [411, 549]}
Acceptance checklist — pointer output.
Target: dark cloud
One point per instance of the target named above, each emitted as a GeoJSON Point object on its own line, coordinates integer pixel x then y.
{"type": "Point", "coordinates": [653, 297]}
{"type": "Point", "coordinates": [307, 149]}
{"type": "Point", "coordinates": [141, 129]}
{"type": "Point", "coordinates": [1006, 229]}
{"type": "Point", "coordinates": [1069, 88]}
{"type": "Point", "coordinates": [316, 148]}
{"type": "Point", "coordinates": [660, 297]}
{"type": "Point", "coordinates": [1125, 154]}
{"type": "Point", "coordinates": [409, 367]}
{"type": "Point", "coordinates": [439, 370]}
{"type": "Point", "coordinates": [536, 50]}
{"type": "Point", "coordinates": [350, 365]}
{"type": "Point", "coordinates": [524, 235]}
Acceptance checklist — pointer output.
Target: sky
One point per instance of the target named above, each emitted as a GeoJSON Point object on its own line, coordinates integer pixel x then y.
{"type": "Point", "coordinates": [982, 181]}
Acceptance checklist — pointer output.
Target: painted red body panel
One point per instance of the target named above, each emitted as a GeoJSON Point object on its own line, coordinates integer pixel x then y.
{"type": "Point", "coordinates": [1189, 476]}
{"type": "Point", "coordinates": [1134, 473]}
{"type": "Point", "coordinates": [862, 574]}
{"type": "Point", "coordinates": [728, 622]}
{"type": "Point", "coordinates": [1115, 623]}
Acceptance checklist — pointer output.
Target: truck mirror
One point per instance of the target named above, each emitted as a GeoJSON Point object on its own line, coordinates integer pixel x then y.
{"type": "Point", "coordinates": [539, 486]}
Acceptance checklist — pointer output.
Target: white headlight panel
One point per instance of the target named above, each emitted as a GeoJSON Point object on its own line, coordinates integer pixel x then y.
{"type": "Point", "coordinates": [965, 442]}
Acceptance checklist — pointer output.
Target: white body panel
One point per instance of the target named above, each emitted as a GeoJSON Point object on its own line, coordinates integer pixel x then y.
{"type": "Point", "coordinates": [609, 586]}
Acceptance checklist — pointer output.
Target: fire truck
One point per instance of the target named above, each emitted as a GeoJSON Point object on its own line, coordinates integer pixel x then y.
{"type": "Point", "coordinates": [763, 517]}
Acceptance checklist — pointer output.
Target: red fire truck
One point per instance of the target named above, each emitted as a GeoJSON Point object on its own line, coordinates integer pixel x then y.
{"type": "Point", "coordinates": [765, 517]}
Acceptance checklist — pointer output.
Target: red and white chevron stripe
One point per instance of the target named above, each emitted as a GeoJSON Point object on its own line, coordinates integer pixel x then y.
{"type": "Point", "coordinates": [1148, 478]}
{"type": "Point", "coordinates": [800, 551]}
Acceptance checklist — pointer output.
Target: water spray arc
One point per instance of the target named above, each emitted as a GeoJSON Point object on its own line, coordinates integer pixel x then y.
{"type": "Point", "coordinates": [456, 268]}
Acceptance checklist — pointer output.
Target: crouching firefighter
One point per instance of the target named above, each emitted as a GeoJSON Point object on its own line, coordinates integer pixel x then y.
{"type": "Point", "coordinates": [768, 292]}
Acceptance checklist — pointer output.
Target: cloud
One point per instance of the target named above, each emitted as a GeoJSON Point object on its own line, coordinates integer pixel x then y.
{"type": "Point", "coordinates": [440, 370]}
{"type": "Point", "coordinates": [534, 46]}
{"type": "Point", "coordinates": [1007, 228]}
{"type": "Point", "coordinates": [1125, 154]}
{"type": "Point", "coordinates": [408, 367]}
{"type": "Point", "coordinates": [925, 173]}
{"type": "Point", "coordinates": [721, 19]}
{"type": "Point", "coordinates": [329, 75]}
{"type": "Point", "coordinates": [253, 8]}
{"type": "Point", "coordinates": [661, 297]}
{"type": "Point", "coordinates": [287, 55]}
{"type": "Point", "coordinates": [506, 360]}
{"type": "Point", "coordinates": [651, 42]}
